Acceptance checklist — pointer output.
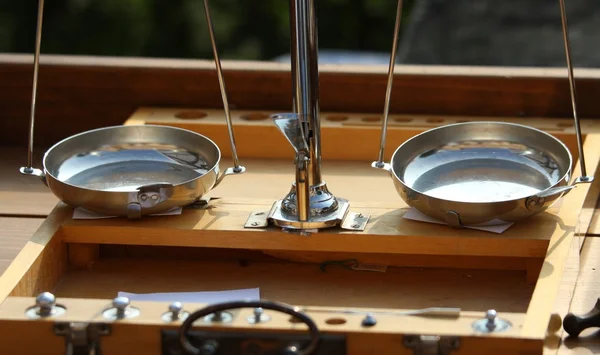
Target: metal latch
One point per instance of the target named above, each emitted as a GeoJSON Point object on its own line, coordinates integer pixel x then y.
{"type": "Point", "coordinates": [82, 338]}
{"type": "Point", "coordinates": [431, 344]}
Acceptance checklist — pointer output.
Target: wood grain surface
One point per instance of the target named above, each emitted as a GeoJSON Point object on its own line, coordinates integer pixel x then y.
{"type": "Point", "coordinates": [79, 93]}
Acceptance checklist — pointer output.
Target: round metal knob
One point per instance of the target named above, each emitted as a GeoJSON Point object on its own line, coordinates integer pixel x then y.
{"type": "Point", "coordinates": [174, 313]}
{"type": "Point", "coordinates": [491, 315]}
{"type": "Point", "coordinates": [121, 304]}
{"type": "Point", "coordinates": [175, 308]}
{"type": "Point", "coordinates": [258, 311]}
{"type": "Point", "coordinates": [258, 316]}
{"type": "Point", "coordinates": [45, 301]}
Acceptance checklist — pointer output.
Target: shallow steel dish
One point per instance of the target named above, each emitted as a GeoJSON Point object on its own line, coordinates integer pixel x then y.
{"type": "Point", "coordinates": [482, 172]}
{"type": "Point", "coordinates": [477, 172]}
{"type": "Point", "coordinates": [132, 170]}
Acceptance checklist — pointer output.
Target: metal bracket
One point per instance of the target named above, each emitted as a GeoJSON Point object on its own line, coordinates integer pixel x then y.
{"type": "Point", "coordinates": [431, 344]}
{"type": "Point", "coordinates": [353, 221]}
{"type": "Point", "coordinates": [257, 219]}
{"type": "Point", "coordinates": [82, 338]}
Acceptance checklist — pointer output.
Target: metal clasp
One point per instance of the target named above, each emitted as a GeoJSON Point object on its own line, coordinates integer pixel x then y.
{"type": "Point", "coordinates": [82, 338]}
{"type": "Point", "coordinates": [431, 344]}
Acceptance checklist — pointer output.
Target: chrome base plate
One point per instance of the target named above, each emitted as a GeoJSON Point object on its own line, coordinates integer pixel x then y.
{"type": "Point", "coordinates": [342, 217]}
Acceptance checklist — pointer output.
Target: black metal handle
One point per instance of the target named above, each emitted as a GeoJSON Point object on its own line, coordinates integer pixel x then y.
{"type": "Point", "coordinates": [275, 306]}
{"type": "Point", "coordinates": [574, 325]}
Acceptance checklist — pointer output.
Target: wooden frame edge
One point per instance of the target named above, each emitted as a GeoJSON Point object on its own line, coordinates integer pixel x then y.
{"type": "Point", "coordinates": [543, 300]}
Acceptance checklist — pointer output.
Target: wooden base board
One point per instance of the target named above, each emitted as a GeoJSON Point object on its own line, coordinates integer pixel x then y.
{"type": "Point", "coordinates": [205, 228]}
{"type": "Point", "coordinates": [297, 283]}
{"type": "Point", "coordinates": [143, 332]}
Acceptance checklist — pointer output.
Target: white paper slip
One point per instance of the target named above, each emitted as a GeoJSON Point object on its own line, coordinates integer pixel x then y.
{"type": "Point", "coordinates": [494, 226]}
{"type": "Point", "coordinates": [82, 213]}
{"type": "Point", "coordinates": [209, 297]}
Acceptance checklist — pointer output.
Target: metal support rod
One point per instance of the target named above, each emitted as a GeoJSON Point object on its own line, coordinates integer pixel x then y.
{"type": "Point", "coordinates": [305, 81]}
{"type": "Point", "coordinates": [390, 80]}
{"type": "Point", "coordinates": [565, 30]}
{"type": "Point", "coordinates": [236, 164]}
{"type": "Point", "coordinates": [36, 64]}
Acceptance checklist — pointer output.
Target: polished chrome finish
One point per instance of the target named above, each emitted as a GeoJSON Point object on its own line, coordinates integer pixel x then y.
{"type": "Point", "coordinates": [390, 80]}
{"type": "Point", "coordinates": [258, 316]}
{"type": "Point", "coordinates": [175, 313]}
{"type": "Point", "coordinates": [322, 202]}
{"type": "Point", "coordinates": [346, 219]}
{"type": "Point", "coordinates": [175, 308]}
{"type": "Point", "coordinates": [309, 204]}
{"type": "Point", "coordinates": [236, 164]}
{"type": "Point", "coordinates": [121, 309]}
{"type": "Point", "coordinates": [491, 315]}
{"type": "Point", "coordinates": [289, 124]}
{"type": "Point", "coordinates": [278, 217]}
{"type": "Point", "coordinates": [45, 301]}
{"type": "Point", "coordinates": [132, 171]}
{"type": "Point", "coordinates": [45, 306]}
{"type": "Point", "coordinates": [305, 79]}
{"type": "Point", "coordinates": [121, 304]}
{"type": "Point", "coordinates": [482, 172]}
{"type": "Point", "coordinates": [491, 323]}
{"type": "Point", "coordinates": [476, 172]}
{"type": "Point", "coordinates": [36, 64]}
{"type": "Point", "coordinates": [573, 91]}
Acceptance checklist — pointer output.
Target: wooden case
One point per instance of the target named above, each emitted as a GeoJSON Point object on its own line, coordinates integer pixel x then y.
{"type": "Point", "coordinates": [518, 272]}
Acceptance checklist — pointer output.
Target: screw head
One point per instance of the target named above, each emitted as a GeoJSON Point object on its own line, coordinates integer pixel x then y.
{"type": "Point", "coordinates": [45, 300]}
{"type": "Point", "coordinates": [121, 303]}
{"type": "Point", "coordinates": [175, 307]}
{"type": "Point", "coordinates": [369, 321]}
{"type": "Point", "coordinates": [355, 225]}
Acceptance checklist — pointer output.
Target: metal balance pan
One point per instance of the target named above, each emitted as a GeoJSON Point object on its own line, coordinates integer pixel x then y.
{"type": "Point", "coordinates": [134, 170]}
{"type": "Point", "coordinates": [482, 172]}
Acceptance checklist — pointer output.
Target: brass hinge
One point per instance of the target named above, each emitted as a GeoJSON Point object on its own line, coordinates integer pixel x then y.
{"type": "Point", "coordinates": [82, 338]}
{"type": "Point", "coordinates": [431, 344]}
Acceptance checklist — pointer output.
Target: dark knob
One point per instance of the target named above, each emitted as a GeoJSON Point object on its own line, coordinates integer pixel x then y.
{"type": "Point", "coordinates": [574, 325]}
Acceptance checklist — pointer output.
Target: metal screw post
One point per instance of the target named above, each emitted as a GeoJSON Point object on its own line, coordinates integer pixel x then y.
{"type": "Point", "coordinates": [491, 315]}
{"type": "Point", "coordinates": [121, 304]}
{"type": "Point", "coordinates": [45, 301]}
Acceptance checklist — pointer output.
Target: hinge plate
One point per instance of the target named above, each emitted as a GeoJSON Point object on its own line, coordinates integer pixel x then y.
{"type": "Point", "coordinates": [431, 344]}
{"type": "Point", "coordinates": [82, 338]}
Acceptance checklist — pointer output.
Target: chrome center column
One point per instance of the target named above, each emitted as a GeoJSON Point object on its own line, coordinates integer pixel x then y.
{"type": "Point", "coordinates": [309, 204]}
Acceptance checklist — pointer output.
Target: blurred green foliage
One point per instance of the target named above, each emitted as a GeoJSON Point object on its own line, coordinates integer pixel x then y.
{"type": "Point", "coordinates": [250, 29]}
